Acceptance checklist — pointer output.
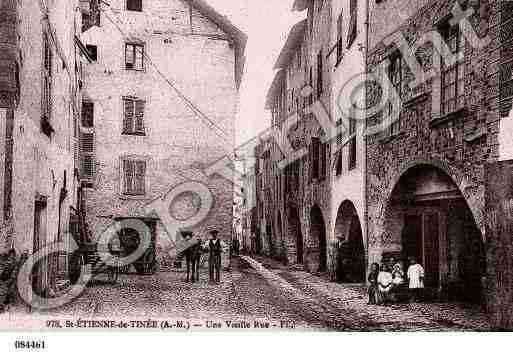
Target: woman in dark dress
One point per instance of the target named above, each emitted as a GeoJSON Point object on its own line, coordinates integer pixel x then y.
{"type": "Point", "coordinates": [373, 283]}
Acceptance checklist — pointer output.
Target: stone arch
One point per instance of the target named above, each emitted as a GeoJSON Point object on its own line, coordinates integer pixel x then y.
{"type": "Point", "coordinates": [317, 251]}
{"type": "Point", "coordinates": [350, 264]}
{"type": "Point", "coordinates": [281, 246]}
{"type": "Point", "coordinates": [294, 234]}
{"type": "Point", "coordinates": [427, 216]}
{"type": "Point", "coordinates": [456, 175]}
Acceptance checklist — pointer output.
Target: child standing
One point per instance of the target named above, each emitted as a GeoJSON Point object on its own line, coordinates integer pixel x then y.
{"type": "Point", "coordinates": [373, 283]}
{"type": "Point", "coordinates": [384, 284]}
{"type": "Point", "coordinates": [416, 279]}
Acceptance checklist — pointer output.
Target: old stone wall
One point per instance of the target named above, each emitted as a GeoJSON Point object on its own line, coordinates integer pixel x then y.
{"type": "Point", "coordinates": [177, 145]}
{"type": "Point", "coordinates": [461, 144]}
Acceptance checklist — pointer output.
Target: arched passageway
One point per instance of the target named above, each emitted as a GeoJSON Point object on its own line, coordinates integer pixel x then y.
{"type": "Point", "coordinates": [317, 250]}
{"type": "Point", "coordinates": [429, 219]}
{"type": "Point", "coordinates": [350, 267]}
{"type": "Point", "coordinates": [282, 252]}
{"type": "Point", "coordinates": [295, 237]}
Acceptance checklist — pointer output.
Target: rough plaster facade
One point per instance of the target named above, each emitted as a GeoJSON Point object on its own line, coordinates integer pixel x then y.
{"type": "Point", "coordinates": [200, 59]}
{"type": "Point", "coordinates": [41, 165]}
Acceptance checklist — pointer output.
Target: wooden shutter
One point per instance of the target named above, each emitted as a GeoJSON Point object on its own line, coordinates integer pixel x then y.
{"type": "Point", "coordinates": [128, 117]}
{"type": "Point", "coordinates": [87, 143]}
{"type": "Point", "coordinates": [47, 79]}
{"type": "Point", "coordinates": [352, 144]}
{"type": "Point", "coordinates": [87, 155]}
{"type": "Point", "coordinates": [140, 175]}
{"type": "Point", "coordinates": [139, 57]}
{"type": "Point", "coordinates": [128, 173]}
{"type": "Point", "coordinates": [351, 35]}
{"type": "Point", "coordinates": [323, 154]}
{"type": "Point", "coordinates": [315, 156]}
{"type": "Point", "coordinates": [320, 84]}
{"type": "Point", "coordinates": [129, 56]}
{"type": "Point", "coordinates": [139, 116]}
{"type": "Point", "coordinates": [340, 29]}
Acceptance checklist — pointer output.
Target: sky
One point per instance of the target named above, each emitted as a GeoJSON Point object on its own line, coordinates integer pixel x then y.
{"type": "Point", "coordinates": [267, 24]}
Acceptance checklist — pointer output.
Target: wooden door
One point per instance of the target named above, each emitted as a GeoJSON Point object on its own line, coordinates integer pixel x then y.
{"type": "Point", "coordinates": [431, 233]}
{"type": "Point", "coordinates": [412, 236]}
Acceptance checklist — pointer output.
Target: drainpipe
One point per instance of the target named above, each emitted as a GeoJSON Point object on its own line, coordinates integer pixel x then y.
{"type": "Point", "coordinates": [365, 204]}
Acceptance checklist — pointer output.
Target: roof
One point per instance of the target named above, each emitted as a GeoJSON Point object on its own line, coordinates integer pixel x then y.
{"type": "Point", "coordinates": [300, 5]}
{"type": "Point", "coordinates": [239, 38]}
{"type": "Point", "coordinates": [275, 87]}
{"type": "Point", "coordinates": [295, 36]}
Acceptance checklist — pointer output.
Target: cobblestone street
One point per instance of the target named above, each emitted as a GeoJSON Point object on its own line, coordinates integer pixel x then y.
{"type": "Point", "coordinates": [262, 293]}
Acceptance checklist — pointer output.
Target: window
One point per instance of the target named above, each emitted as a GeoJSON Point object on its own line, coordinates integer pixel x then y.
{"type": "Point", "coordinates": [46, 91]}
{"type": "Point", "coordinates": [134, 5]}
{"type": "Point", "coordinates": [351, 34]}
{"type": "Point", "coordinates": [453, 77]}
{"type": "Point", "coordinates": [134, 177]}
{"type": "Point", "coordinates": [133, 116]}
{"type": "Point", "coordinates": [292, 177]}
{"type": "Point", "coordinates": [395, 75]}
{"type": "Point", "coordinates": [87, 155]}
{"type": "Point", "coordinates": [134, 57]}
{"type": "Point", "coordinates": [340, 25]}
{"type": "Point", "coordinates": [323, 160]}
{"type": "Point", "coordinates": [352, 144]}
{"type": "Point", "coordinates": [314, 157]}
{"type": "Point", "coordinates": [338, 164]}
{"type": "Point", "coordinates": [87, 114]}
{"type": "Point", "coordinates": [320, 84]}
{"type": "Point", "coordinates": [320, 4]}
{"type": "Point", "coordinates": [93, 52]}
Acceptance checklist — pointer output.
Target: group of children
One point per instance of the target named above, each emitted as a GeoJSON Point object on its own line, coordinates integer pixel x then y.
{"type": "Point", "coordinates": [390, 284]}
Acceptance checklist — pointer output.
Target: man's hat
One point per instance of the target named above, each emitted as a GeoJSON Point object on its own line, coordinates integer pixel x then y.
{"type": "Point", "coordinates": [214, 232]}
{"type": "Point", "coordinates": [186, 234]}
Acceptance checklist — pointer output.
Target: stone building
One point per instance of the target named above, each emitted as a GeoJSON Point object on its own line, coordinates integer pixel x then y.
{"type": "Point", "coordinates": [294, 205]}
{"type": "Point", "coordinates": [162, 96]}
{"type": "Point", "coordinates": [347, 172]}
{"type": "Point", "coordinates": [429, 171]}
{"type": "Point", "coordinates": [40, 61]}
{"type": "Point", "coordinates": [248, 211]}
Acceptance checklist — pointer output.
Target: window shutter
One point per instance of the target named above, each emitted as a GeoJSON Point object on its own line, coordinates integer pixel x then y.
{"type": "Point", "coordinates": [340, 29]}
{"type": "Point", "coordinates": [87, 142]}
{"type": "Point", "coordinates": [128, 169]}
{"type": "Point", "coordinates": [351, 35]}
{"type": "Point", "coordinates": [315, 157]}
{"type": "Point", "coordinates": [140, 175]}
{"type": "Point", "coordinates": [128, 119]}
{"type": "Point", "coordinates": [338, 167]}
{"type": "Point", "coordinates": [324, 154]}
{"type": "Point", "coordinates": [129, 56]}
{"type": "Point", "coordinates": [87, 155]}
{"type": "Point", "coordinates": [139, 116]}
{"type": "Point", "coordinates": [87, 166]}
{"type": "Point", "coordinates": [139, 55]}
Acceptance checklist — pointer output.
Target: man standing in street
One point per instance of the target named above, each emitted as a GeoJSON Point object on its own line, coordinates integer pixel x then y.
{"type": "Point", "coordinates": [214, 260]}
